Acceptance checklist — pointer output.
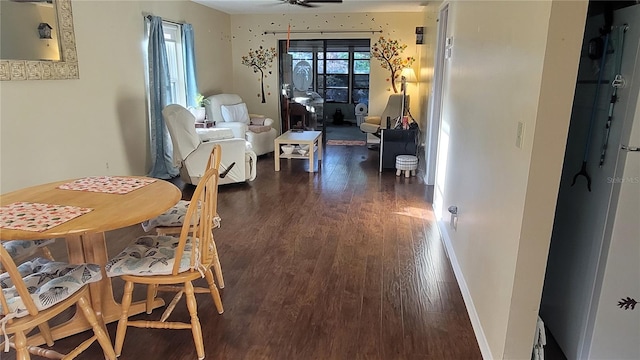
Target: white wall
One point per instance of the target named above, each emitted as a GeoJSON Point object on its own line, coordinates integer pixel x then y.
{"type": "Point", "coordinates": [584, 222]}
{"type": "Point", "coordinates": [248, 33]}
{"type": "Point", "coordinates": [59, 129]}
{"type": "Point", "coordinates": [511, 62]}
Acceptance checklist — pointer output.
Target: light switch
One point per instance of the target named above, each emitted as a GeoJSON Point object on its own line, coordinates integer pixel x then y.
{"type": "Point", "coordinates": [448, 47]}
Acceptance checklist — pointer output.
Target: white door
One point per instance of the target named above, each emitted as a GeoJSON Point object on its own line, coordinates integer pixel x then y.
{"type": "Point", "coordinates": [617, 322]}
{"type": "Point", "coordinates": [438, 135]}
{"type": "Point", "coordinates": [614, 317]}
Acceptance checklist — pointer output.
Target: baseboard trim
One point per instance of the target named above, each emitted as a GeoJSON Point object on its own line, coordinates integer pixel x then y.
{"type": "Point", "coordinates": [466, 295]}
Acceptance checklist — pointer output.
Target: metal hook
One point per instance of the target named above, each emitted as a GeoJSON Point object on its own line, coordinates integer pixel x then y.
{"type": "Point", "coordinates": [583, 172]}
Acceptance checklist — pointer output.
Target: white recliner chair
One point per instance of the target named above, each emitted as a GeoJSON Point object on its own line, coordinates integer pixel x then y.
{"type": "Point", "coordinates": [229, 111]}
{"type": "Point", "coordinates": [372, 124]}
{"type": "Point", "coordinates": [191, 152]}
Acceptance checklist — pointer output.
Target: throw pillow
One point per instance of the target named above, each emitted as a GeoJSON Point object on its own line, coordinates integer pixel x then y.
{"type": "Point", "coordinates": [259, 128]}
{"type": "Point", "coordinates": [235, 113]}
{"type": "Point", "coordinates": [257, 121]}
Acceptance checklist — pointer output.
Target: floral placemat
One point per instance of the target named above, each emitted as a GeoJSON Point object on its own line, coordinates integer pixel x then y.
{"type": "Point", "coordinates": [36, 216]}
{"type": "Point", "coordinates": [107, 184]}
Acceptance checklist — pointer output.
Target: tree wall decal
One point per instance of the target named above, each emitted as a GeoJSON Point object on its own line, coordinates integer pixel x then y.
{"type": "Point", "coordinates": [628, 303]}
{"type": "Point", "coordinates": [388, 52]}
{"type": "Point", "coordinates": [259, 60]}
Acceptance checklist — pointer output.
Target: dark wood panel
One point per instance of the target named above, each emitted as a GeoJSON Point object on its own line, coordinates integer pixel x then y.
{"type": "Point", "coordinates": [345, 263]}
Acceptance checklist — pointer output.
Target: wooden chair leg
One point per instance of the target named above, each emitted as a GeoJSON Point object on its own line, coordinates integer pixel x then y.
{"type": "Point", "coordinates": [171, 306]}
{"type": "Point", "coordinates": [214, 291]}
{"type": "Point", "coordinates": [21, 346]}
{"type": "Point", "coordinates": [45, 331]}
{"type": "Point", "coordinates": [122, 323]}
{"type": "Point", "coordinates": [152, 291]}
{"type": "Point", "coordinates": [47, 253]}
{"type": "Point", "coordinates": [216, 266]}
{"type": "Point", "coordinates": [195, 322]}
{"type": "Point", "coordinates": [98, 330]}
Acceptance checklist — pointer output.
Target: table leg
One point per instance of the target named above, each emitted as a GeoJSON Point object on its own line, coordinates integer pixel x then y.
{"type": "Point", "coordinates": [276, 154]}
{"type": "Point", "coordinates": [95, 250]}
{"type": "Point", "coordinates": [77, 323]}
{"type": "Point", "coordinates": [319, 148]}
{"type": "Point", "coordinates": [92, 248]}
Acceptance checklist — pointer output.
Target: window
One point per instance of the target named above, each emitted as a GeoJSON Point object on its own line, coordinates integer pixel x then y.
{"type": "Point", "coordinates": [173, 43]}
{"type": "Point", "coordinates": [342, 67]}
{"type": "Point", "coordinates": [335, 76]}
{"type": "Point", "coordinates": [298, 56]}
{"type": "Point", "coordinates": [361, 68]}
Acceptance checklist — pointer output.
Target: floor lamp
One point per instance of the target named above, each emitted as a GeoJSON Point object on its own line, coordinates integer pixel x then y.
{"type": "Point", "coordinates": [407, 75]}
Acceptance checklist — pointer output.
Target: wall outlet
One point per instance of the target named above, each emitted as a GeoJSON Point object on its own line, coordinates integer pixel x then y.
{"type": "Point", "coordinates": [520, 135]}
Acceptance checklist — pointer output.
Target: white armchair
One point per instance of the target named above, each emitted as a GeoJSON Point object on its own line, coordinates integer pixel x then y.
{"type": "Point", "coordinates": [229, 111]}
{"type": "Point", "coordinates": [191, 153]}
{"type": "Point", "coordinates": [373, 124]}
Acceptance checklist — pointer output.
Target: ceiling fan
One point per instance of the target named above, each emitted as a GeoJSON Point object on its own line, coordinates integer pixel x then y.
{"type": "Point", "coordinates": [309, 3]}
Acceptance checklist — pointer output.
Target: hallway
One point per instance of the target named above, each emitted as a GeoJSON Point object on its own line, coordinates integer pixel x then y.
{"type": "Point", "coordinates": [345, 263]}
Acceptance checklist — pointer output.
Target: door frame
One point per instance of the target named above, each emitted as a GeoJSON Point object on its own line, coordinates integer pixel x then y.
{"type": "Point", "coordinates": [435, 113]}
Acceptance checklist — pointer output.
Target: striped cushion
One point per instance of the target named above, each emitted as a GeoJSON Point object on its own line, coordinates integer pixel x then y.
{"type": "Point", "coordinates": [49, 282]}
{"type": "Point", "coordinates": [173, 217]}
{"type": "Point", "coordinates": [149, 255]}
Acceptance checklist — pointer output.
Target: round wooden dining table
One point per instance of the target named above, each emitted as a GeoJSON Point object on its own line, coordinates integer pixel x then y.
{"type": "Point", "coordinates": [85, 236]}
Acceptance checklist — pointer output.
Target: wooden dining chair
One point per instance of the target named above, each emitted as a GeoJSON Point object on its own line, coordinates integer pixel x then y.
{"type": "Point", "coordinates": [20, 250]}
{"type": "Point", "coordinates": [173, 263]}
{"type": "Point", "coordinates": [23, 249]}
{"type": "Point", "coordinates": [40, 289]}
{"type": "Point", "coordinates": [170, 222]}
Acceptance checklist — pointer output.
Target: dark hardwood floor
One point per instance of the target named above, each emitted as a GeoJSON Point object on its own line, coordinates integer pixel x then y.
{"type": "Point", "coordinates": [340, 264]}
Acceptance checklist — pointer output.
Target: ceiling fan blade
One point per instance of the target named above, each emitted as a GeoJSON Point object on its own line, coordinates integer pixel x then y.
{"type": "Point", "coordinates": [308, 3]}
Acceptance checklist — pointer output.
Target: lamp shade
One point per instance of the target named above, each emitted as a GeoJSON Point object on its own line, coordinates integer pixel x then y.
{"type": "Point", "coordinates": [409, 75]}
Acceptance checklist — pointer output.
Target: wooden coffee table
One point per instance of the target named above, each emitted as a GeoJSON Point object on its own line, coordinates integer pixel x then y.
{"type": "Point", "coordinates": [311, 138]}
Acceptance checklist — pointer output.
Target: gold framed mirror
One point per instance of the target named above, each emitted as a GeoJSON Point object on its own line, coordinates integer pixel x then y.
{"type": "Point", "coordinates": [65, 68]}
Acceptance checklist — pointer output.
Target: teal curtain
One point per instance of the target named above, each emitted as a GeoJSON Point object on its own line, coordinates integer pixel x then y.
{"type": "Point", "coordinates": [159, 97]}
{"type": "Point", "coordinates": [189, 57]}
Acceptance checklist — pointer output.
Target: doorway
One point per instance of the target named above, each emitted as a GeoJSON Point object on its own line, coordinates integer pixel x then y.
{"type": "Point", "coordinates": [594, 253]}
{"type": "Point", "coordinates": [324, 83]}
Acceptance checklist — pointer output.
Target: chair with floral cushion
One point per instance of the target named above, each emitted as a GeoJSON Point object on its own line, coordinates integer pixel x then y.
{"type": "Point", "coordinates": [40, 289]}
{"type": "Point", "coordinates": [19, 250]}
{"type": "Point", "coordinates": [170, 222]}
{"type": "Point", "coordinates": [173, 263]}
{"type": "Point", "coordinates": [22, 249]}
